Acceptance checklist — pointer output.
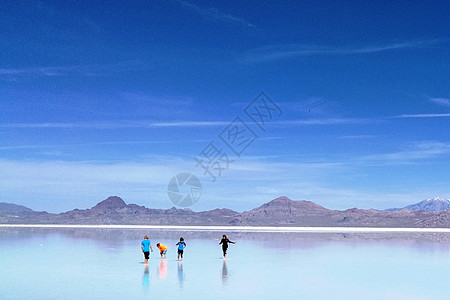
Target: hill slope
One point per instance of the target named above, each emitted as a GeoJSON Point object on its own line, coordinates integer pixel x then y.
{"type": "Point", "coordinates": [13, 208]}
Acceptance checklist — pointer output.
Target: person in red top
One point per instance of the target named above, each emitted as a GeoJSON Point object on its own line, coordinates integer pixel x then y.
{"type": "Point", "coordinates": [162, 250]}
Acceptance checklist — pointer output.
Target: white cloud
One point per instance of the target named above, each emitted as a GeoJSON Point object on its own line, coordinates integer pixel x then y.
{"type": "Point", "coordinates": [87, 182]}
{"type": "Point", "coordinates": [214, 13]}
{"type": "Point", "coordinates": [420, 116]}
{"type": "Point", "coordinates": [441, 101]}
{"type": "Point", "coordinates": [81, 70]}
{"type": "Point", "coordinates": [328, 121]}
{"type": "Point", "coordinates": [249, 182]}
{"type": "Point", "coordinates": [417, 151]}
{"type": "Point", "coordinates": [286, 51]}
{"type": "Point", "coordinates": [43, 146]}
{"type": "Point", "coordinates": [116, 125]}
{"type": "Point", "coordinates": [148, 124]}
{"type": "Point", "coordinates": [63, 185]}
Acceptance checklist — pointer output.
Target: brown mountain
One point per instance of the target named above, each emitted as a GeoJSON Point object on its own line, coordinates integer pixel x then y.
{"type": "Point", "coordinates": [278, 212]}
{"type": "Point", "coordinates": [284, 211]}
{"type": "Point", "coordinates": [113, 203]}
{"type": "Point", "coordinates": [13, 208]}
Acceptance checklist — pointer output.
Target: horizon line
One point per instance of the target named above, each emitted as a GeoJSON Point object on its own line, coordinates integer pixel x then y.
{"type": "Point", "coordinates": [279, 229]}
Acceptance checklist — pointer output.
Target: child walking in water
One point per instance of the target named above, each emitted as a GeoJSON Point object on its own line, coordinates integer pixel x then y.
{"type": "Point", "coordinates": [146, 246]}
{"type": "Point", "coordinates": [162, 250]}
{"type": "Point", "coordinates": [181, 244]}
{"type": "Point", "coordinates": [224, 242]}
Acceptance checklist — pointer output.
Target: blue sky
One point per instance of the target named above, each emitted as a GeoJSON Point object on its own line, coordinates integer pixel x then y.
{"type": "Point", "coordinates": [115, 99]}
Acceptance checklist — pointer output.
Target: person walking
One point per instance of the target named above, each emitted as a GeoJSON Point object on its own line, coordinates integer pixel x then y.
{"type": "Point", "coordinates": [146, 246]}
{"type": "Point", "coordinates": [224, 242]}
{"type": "Point", "coordinates": [181, 245]}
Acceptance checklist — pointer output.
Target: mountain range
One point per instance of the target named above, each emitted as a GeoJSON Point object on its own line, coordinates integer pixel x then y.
{"type": "Point", "coordinates": [281, 211]}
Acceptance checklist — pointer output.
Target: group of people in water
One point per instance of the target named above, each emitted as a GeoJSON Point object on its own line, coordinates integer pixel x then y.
{"type": "Point", "coordinates": [146, 247]}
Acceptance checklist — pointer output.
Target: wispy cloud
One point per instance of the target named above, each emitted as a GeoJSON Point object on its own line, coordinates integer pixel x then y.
{"type": "Point", "coordinates": [82, 70]}
{"type": "Point", "coordinates": [216, 14]}
{"type": "Point", "coordinates": [417, 151]}
{"type": "Point", "coordinates": [181, 124]}
{"type": "Point", "coordinates": [248, 182]}
{"type": "Point", "coordinates": [420, 116]}
{"type": "Point", "coordinates": [190, 124]}
{"type": "Point", "coordinates": [85, 181]}
{"type": "Point", "coordinates": [286, 51]}
{"type": "Point", "coordinates": [88, 182]}
{"type": "Point", "coordinates": [114, 125]}
{"type": "Point", "coordinates": [329, 121]}
{"type": "Point", "coordinates": [441, 101]}
{"type": "Point", "coordinates": [43, 146]}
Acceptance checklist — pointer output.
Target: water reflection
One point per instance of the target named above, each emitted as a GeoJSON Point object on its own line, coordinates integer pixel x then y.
{"type": "Point", "coordinates": [146, 279]}
{"type": "Point", "coordinates": [180, 273]}
{"type": "Point", "coordinates": [349, 266]}
{"type": "Point", "coordinates": [224, 272]}
{"type": "Point", "coordinates": [122, 237]}
{"type": "Point", "coordinates": [162, 270]}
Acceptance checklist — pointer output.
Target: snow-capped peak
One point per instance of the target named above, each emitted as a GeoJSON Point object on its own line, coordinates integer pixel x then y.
{"type": "Point", "coordinates": [438, 199]}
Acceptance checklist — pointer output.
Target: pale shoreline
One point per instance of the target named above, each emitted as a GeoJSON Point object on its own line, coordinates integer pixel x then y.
{"type": "Point", "coordinates": [235, 228]}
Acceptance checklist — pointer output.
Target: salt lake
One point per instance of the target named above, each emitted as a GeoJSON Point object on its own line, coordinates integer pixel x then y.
{"type": "Point", "coordinates": [75, 263]}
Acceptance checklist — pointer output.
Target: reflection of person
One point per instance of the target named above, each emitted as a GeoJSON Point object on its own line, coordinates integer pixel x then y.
{"type": "Point", "coordinates": [162, 271]}
{"type": "Point", "coordinates": [224, 242]}
{"type": "Point", "coordinates": [146, 278]}
{"type": "Point", "coordinates": [146, 246]}
{"type": "Point", "coordinates": [162, 249]}
{"type": "Point", "coordinates": [181, 244]}
{"type": "Point", "coordinates": [224, 272]}
{"type": "Point", "coordinates": [180, 273]}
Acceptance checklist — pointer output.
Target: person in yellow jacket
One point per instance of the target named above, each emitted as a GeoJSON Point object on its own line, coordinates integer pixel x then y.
{"type": "Point", "coordinates": [162, 250]}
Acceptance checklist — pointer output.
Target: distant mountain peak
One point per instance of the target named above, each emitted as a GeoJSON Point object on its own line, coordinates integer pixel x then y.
{"type": "Point", "coordinates": [432, 204]}
{"type": "Point", "coordinates": [284, 202]}
{"type": "Point", "coordinates": [282, 199]}
{"type": "Point", "coordinates": [438, 199]}
{"type": "Point", "coordinates": [111, 203]}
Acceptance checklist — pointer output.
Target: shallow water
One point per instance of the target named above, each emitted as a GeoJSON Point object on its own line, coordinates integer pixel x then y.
{"type": "Point", "coordinates": [108, 264]}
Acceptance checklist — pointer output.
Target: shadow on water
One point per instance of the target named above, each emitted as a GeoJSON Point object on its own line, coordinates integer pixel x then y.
{"type": "Point", "coordinates": [224, 273]}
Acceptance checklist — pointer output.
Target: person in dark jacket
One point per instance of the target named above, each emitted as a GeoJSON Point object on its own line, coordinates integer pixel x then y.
{"type": "Point", "coordinates": [224, 242]}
